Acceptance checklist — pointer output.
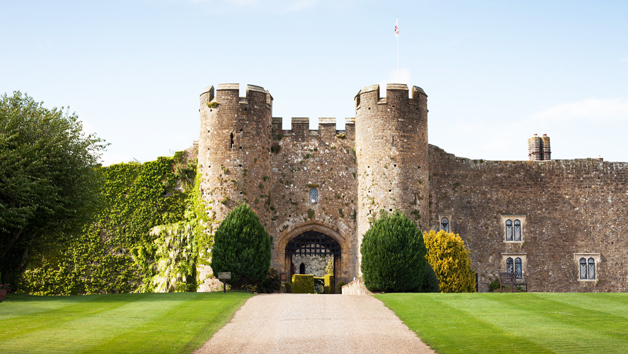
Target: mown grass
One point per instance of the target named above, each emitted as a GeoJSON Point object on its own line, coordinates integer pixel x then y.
{"type": "Point", "coordinates": [124, 323]}
{"type": "Point", "coordinates": [516, 323]}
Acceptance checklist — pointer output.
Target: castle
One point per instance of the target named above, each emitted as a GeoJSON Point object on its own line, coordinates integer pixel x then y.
{"type": "Point", "coordinates": [558, 224]}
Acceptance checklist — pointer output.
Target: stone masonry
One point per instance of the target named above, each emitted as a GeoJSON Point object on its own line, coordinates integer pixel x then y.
{"type": "Point", "coordinates": [382, 161]}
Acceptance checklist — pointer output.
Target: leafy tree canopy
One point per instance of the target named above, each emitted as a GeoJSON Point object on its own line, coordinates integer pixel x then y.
{"type": "Point", "coordinates": [49, 183]}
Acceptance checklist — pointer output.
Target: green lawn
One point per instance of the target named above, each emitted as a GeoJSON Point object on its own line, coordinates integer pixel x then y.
{"type": "Point", "coordinates": [125, 323]}
{"type": "Point", "coordinates": [516, 323]}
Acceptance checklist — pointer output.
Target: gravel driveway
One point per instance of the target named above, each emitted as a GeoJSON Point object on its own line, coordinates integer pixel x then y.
{"type": "Point", "coordinates": [304, 323]}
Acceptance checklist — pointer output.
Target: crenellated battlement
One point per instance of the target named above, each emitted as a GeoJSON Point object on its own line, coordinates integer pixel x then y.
{"type": "Point", "coordinates": [207, 96]}
{"type": "Point", "coordinates": [230, 94]}
{"type": "Point", "coordinates": [396, 94]}
{"type": "Point", "coordinates": [300, 127]}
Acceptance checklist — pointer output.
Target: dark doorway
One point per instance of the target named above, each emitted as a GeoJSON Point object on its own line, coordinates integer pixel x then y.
{"type": "Point", "coordinates": [313, 243]}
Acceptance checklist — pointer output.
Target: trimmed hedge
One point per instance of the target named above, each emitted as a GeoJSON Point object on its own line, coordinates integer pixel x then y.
{"type": "Point", "coordinates": [242, 247]}
{"type": "Point", "coordinates": [329, 284]}
{"type": "Point", "coordinates": [451, 262]}
{"type": "Point", "coordinates": [303, 284]}
{"type": "Point", "coordinates": [430, 282]}
{"type": "Point", "coordinates": [393, 255]}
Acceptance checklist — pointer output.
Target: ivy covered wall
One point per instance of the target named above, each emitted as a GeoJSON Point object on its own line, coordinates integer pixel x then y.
{"type": "Point", "coordinates": [118, 252]}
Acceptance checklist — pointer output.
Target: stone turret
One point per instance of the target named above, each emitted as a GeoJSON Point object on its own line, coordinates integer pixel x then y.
{"type": "Point", "coordinates": [392, 154]}
{"type": "Point", "coordinates": [234, 147]}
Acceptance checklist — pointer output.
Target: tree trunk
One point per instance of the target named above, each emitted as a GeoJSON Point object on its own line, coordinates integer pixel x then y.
{"type": "Point", "coordinates": [15, 237]}
{"type": "Point", "coordinates": [25, 259]}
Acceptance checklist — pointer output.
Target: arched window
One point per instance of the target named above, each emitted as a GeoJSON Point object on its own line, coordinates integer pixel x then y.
{"type": "Point", "coordinates": [517, 230]}
{"type": "Point", "coordinates": [509, 265]}
{"type": "Point", "coordinates": [313, 196]}
{"type": "Point", "coordinates": [444, 224]}
{"type": "Point", "coordinates": [583, 268]}
{"type": "Point", "coordinates": [591, 268]}
{"type": "Point", "coordinates": [518, 270]}
{"type": "Point", "coordinates": [508, 230]}
{"type": "Point", "coordinates": [231, 146]}
{"type": "Point", "coordinates": [302, 268]}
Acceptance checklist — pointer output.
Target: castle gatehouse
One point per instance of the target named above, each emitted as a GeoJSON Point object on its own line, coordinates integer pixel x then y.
{"type": "Point", "coordinates": [558, 224]}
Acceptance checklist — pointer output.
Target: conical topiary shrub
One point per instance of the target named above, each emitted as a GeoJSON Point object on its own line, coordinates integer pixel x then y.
{"type": "Point", "coordinates": [242, 247]}
{"type": "Point", "coordinates": [451, 262]}
{"type": "Point", "coordinates": [393, 255]}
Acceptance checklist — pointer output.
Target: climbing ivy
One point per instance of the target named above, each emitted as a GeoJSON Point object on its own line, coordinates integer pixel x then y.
{"type": "Point", "coordinates": [117, 252]}
{"type": "Point", "coordinates": [175, 258]}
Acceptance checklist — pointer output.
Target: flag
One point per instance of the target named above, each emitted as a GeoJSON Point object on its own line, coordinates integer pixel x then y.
{"type": "Point", "coordinates": [397, 28]}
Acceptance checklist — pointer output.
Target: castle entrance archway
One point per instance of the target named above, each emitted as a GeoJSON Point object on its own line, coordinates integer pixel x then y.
{"type": "Point", "coordinates": [311, 253]}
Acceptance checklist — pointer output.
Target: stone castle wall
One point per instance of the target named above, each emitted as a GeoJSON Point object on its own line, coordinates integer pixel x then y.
{"type": "Point", "coordinates": [567, 207]}
{"type": "Point", "coordinates": [382, 161]}
{"type": "Point", "coordinates": [323, 159]}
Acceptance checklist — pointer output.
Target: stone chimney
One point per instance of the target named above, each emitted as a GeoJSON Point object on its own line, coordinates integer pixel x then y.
{"type": "Point", "coordinates": [539, 148]}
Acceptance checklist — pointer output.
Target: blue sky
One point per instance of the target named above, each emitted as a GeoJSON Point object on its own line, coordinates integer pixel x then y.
{"type": "Point", "coordinates": [496, 72]}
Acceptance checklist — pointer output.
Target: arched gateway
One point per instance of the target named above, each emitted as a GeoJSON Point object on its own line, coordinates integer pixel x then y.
{"type": "Point", "coordinates": [312, 244]}
{"type": "Point", "coordinates": [307, 249]}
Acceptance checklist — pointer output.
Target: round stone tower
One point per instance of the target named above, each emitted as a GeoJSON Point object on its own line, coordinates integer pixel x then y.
{"type": "Point", "coordinates": [234, 149]}
{"type": "Point", "coordinates": [392, 154]}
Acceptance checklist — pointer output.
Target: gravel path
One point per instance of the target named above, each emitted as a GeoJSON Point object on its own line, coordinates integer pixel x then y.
{"type": "Point", "coordinates": [303, 323]}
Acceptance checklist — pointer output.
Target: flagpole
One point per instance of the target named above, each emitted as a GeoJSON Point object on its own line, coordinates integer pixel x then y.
{"type": "Point", "coordinates": [397, 51]}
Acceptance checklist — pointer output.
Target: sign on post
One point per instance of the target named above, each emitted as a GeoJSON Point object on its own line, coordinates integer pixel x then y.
{"type": "Point", "coordinates": [224, 276]}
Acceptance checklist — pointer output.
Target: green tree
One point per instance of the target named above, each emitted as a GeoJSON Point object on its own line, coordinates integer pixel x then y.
{"type": "Point", "coordinates": [393, 255]}
{"type": "Point", "coordinates": [430, 282]}
{"type": "Point", "coordinates": [242, 247]}
{"type": "Point", "coordinates": [49, 183]}
{"type": "Point", "coordinates": [450, 260]}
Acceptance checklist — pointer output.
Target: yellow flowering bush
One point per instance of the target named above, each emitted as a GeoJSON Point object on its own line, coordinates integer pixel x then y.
{"type": "Point", "coordinates": [450, 260]}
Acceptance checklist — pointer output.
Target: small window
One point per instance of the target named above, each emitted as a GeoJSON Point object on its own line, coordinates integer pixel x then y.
{"type": "Point", "coordinates": [444, 224]}
{"type": "Point", "coordinates": [515, 264]}
{"type": "Point", "coordinates": [513, 227]}
{"type": "Point", "coordinates": [313, 196]}
{"type": "Point", "coordinates": [518, 268]}
{"type": "Point", "coordinates": [509, 265]}
{"type": "Point", "coordinates": [583, 268]}
{"type": "Point", "coordinates": [591, 268]}
{"type": "Point", "coordinates": [587, 265]}
{"type": "Point", "coordinates": [517, 230]}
